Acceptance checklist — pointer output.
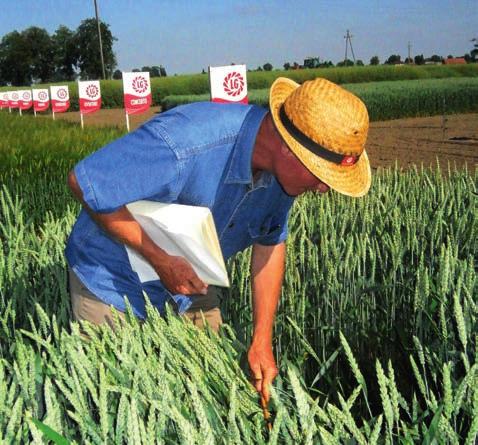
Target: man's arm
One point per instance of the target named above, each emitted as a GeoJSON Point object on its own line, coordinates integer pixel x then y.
{"type": "Point", "coordinates": [175, 272]}
{"type": "Point", "coordinates": [267, 272]}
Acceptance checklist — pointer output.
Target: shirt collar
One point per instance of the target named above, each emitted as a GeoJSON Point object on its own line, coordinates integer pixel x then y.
{"type": "Point", "coordinates": [240, 169]}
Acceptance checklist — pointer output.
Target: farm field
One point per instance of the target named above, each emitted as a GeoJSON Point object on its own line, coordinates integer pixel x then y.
{"type": "Point", "coordinates": [112, 92]}
{"type": "Point", "coordinates": [405, 141]}
{"type": "Point", "coordinates": [376, 329]}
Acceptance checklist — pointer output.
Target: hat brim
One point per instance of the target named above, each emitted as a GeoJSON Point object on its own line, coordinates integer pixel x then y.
{"type": "Point", "coordinates": [351, 180]}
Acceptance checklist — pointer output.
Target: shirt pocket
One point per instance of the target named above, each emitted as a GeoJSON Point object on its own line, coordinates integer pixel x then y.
{"type": "Point", "coordinates": [267, 228]}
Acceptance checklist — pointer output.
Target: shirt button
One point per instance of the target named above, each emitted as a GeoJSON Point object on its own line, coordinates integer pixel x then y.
{"type": "Point", "coordinates": [231, 225]}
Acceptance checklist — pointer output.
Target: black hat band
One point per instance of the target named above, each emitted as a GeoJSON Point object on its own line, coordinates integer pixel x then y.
{"type": "Point", "coordinates": [313, 146]}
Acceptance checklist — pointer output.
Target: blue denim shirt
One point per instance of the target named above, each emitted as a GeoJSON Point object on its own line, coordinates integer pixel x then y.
{"type": "Point", "coordinates": [198, 154]}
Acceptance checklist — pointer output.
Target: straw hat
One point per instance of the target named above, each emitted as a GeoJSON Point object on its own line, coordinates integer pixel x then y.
{"type": "Point", "coordinates": [326, 127]}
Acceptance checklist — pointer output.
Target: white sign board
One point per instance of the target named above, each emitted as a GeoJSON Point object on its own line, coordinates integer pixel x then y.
{"type": "Point", "coordinates": [60, 98]}
{"type": "Point", "coordinates": [137, 92]}
{"type": "Point", "coordinates": [228, 83]}
{"type": "Point", "coordinates": [89, 93]}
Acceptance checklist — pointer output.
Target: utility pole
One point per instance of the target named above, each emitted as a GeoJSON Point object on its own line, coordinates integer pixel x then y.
{"type": "Point", "coordinates": [409, 52]}
{"type": "Point", "coordinates": [348, 41]}
{"type": "Point", "coordinates": [99, 38]}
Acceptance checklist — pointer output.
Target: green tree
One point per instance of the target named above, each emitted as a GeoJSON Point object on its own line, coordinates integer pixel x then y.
{"type": "Point", "coordinates": [393, 59]}
{"type": "Point", "coordinates": [287, 66]}
{"type": "Point", "coordinates": [88, 49]}
{"type": "Point", "coordinates": [40, 53]}
{"type": "Point", "coordinates": [14, 59]}
{"type": "Point", "coordinates": [155, 71]}
{"type": "Point", "coordinates": [117, 75]}
{"type": "Point", "coordinates": [162, 71]}
{"type": "Point", "coordinates": [436, 58]}
{"type": "Point", "coordinates": [474, 51]}
{"type": "Point", "coordinates": [267, 66]}
{"type": "Point", "coordinates": [359, 63]}
{"type": "Point", "coordinates": [374, 60]}
{"type": "Point", "coordinates": [64, 54]}
{"type": "Point", "coordinates": [347, 62]}
{"type": "Point", "coordinates": [419, 59]}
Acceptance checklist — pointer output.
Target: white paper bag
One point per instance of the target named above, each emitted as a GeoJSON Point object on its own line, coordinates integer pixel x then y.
{"type": "Point", "coordinates": [180, 230]}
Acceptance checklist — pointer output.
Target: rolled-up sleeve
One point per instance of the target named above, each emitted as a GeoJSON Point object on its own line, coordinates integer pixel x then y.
{"type": "Point", "coordinates": [140, 165]}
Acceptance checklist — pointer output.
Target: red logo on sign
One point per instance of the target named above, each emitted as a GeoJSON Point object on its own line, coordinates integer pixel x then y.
{"type": "Point", "coordinates": [349, 160]}
{"type": "Point", "coordinates": [140, 84]}
{"type": "Point", "coordinates": [14, 96]}
{"type": "Point", "coordinates": [233, 84]}
{"type": "Point", "coordinates": [62, 93]}
{"type": "Point", "coordinates": [42, 95]}
{"type": "Point", "coordinates": [26, 95]}
{"type": "Point", "coordinates": [92, 91]}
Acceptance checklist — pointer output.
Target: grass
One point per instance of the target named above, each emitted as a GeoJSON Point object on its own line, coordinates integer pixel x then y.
{"type": "Point", "coordinates": [388, 99]}
{"type": "Point", "coordinates": [375, 333]}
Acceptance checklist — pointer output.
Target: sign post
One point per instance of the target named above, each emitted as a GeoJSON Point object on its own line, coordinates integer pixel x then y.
{"type": "Point", "coordinates": [228, 84]}
{"type": "Point", "coordinates": [89, 94]}
{"type": "Point", "coordinates": [41, 100]}
{"type": "Point", "coordinates": [137, 93]}
{"type": "Point", "coordinates": [60, 99]}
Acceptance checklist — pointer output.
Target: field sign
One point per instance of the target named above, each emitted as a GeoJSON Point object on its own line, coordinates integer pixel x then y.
{"type": "Point", "coordinates": [60, 98]}
{"type": "Point", "coordinates": [13, 98]}
{"type": "Point", "coordinates": [228, 83]}
{"type": "Point", "coordinates": [4, 99]}
{"type": "Point", "coordinates": [25, 100]}
{"type": "Point", "coordinates": [41, 100]}
{"type": "Point", "coordinates": [137, 93]}
{"type": "Point", "coordinates": [89, 94]}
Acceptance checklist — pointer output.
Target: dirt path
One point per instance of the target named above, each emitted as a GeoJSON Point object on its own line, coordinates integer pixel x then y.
{"type": "Point", "coordinates": [423, 140]}
{"type": "Point", "coordinates": [409, 141]}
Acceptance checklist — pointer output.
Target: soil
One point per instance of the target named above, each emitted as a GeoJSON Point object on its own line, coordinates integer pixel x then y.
{"type": "Point", "coordinates": [452, 138]}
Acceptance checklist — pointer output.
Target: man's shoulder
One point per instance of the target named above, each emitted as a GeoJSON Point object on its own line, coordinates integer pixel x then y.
{"type": "Point", "coordinates": [201, 124]}
{"type": "Point", "coordinates": [200, 114]}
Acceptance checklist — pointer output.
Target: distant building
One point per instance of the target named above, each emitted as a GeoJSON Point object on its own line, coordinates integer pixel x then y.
{"type": "Point", "coordinates": [454, 61]}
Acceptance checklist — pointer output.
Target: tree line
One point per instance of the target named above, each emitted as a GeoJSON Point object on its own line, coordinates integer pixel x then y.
{"type": "Point", "coordinates": [33, 55]}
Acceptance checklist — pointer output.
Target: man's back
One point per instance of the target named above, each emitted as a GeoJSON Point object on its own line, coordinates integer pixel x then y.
{"type": "Point", "coordinates": [198, 154]}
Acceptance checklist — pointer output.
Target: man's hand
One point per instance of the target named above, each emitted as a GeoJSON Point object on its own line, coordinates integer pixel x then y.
{"type": "Point", "coordinates": [175, 272]}
{"type": "Point", "coordinates": [179, 277]}
{"type": "Point", "coordinates": [263, 368]}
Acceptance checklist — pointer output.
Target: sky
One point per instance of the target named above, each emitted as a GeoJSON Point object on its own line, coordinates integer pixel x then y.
{"type": "Point", "coordinates": [187, 36]}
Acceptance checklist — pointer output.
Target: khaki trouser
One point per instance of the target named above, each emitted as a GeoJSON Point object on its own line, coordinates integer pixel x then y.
{"type": "Point", "coordinates": [86, 306]}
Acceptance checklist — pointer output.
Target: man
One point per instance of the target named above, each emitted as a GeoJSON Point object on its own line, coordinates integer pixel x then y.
{"type": "Point", "coordinates": [246, 165]}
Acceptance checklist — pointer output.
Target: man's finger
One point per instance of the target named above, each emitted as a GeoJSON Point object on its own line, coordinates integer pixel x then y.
{"type": "Point", "coordinates": [256, 379]}
{"type": "Point", "coordinates": [269, 375]}
{"type": "Point", "coordinates": [265, 392]}
{"type": "Point", "coordinates": [257, 382]}
{"type": "Point", "coordinates": [198, 286]}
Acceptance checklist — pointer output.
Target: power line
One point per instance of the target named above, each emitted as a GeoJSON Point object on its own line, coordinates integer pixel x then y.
{"type": "Point", "coordinates": [348, 41]}
{"type": "Point", "coordinates": [99, 38]}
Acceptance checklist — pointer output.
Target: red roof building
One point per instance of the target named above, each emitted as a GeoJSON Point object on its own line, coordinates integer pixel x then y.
{"type": "Point", "coordinates": [454, 61]}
